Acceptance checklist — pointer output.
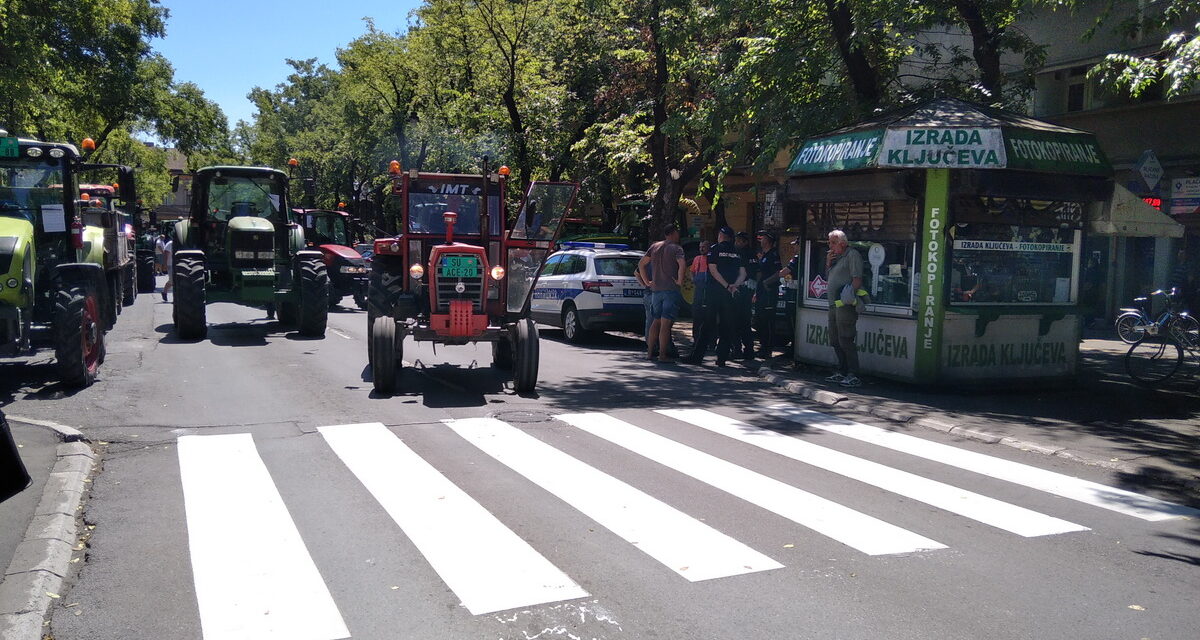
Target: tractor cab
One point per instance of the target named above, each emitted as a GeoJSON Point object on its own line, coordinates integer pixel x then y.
{"type": "Point", "coordinates": [329, 231]}
{"type": "Point", "coordinates": [455, 275]}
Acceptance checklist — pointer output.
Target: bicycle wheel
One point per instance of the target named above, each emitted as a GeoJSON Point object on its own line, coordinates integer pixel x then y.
{"type": "Point", "coordinates": [1130, 328]}
{"type": "Point", "coordinates": [1186, 330]}
{"type": "Point", "coordinates": [1153, 360]}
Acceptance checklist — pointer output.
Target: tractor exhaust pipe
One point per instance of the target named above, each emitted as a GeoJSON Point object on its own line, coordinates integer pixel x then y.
{"type": "Point", "coordinates": [449, 218]}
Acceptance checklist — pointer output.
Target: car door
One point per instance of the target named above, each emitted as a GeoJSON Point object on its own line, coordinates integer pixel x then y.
{"type": "Point", "coordinates": [543, 305]}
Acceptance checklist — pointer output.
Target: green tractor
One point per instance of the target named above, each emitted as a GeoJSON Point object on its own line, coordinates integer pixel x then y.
{"type": "Point", "coordinates": [60, 266]}
{"type": "Point", "coordinates": [240, 244]}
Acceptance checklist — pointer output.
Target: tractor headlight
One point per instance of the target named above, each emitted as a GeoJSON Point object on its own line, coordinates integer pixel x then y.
{"type": "Point", "coordinates": [497, 272]}
{"type": "Point", "coordinates": [243, 255]}
{"type": "Point", "coordinates": [353, 269]}
{"type": "Point", "coordinates": [266, 255]}
{"type": "Point", "coordinates": [56, 152]}
{"type": "Point", "coordinates": [416, 271]}
{"type": "Point", "coordinates": [12, 283]}
{"type": "Point", "coordinates": [34, 152]}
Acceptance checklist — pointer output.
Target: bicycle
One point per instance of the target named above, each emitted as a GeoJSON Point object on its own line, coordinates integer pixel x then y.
{"type": "Point", "coordinates": [1133, 323]}
{"type": "Point", "coordinates": [1159, 354]}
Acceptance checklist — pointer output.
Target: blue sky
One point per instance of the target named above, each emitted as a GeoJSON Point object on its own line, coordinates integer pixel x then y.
{"type": "Point", "coordinates": [229, 47]}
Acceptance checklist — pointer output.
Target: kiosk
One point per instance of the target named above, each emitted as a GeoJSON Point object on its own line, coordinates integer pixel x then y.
{"type": "Point", "coordinates": [970, 221]}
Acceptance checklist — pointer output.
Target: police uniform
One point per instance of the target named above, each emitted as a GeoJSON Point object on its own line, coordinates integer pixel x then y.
{"type": "Point", "coordinates": [743, 307]}
{"type": "Point", "coordinates": [765, 298]}
{"type": "Point", "coordinates": [720, 318]}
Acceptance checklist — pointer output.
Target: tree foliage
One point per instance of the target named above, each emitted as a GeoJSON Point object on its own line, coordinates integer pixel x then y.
{"type": "Point", "coordinates": [1175, 66]}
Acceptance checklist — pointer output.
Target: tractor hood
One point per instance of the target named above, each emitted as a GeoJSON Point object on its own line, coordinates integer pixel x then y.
{"type": "Point", "coordinates": [16, 235]}
{"type": "Point", "coordinates": [341, 251]}
{"type": "Point", "coordinates": [250, 223]}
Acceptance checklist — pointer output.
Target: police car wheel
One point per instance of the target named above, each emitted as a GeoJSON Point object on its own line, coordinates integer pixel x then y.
{"type": "Point", "coordinates": [573, 329]}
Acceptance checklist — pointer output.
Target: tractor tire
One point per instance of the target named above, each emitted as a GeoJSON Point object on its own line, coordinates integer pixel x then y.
{"type": "Point", "coordinates": [525, 365]}
{"type": "Point", "coordinates": [502, 353]}
{"type": "Point", "coordinates": [314, 298]}
{"type": "Point", "coordinates": [573, 329]}
{"type": "Point", "coordinates": [115, 294]}
{"type": "Point", "coordinates": [360, 299]}
{"type": "Point", "coordinates": [128, 285]}
{"type": "Point", "coordinates": [191, 323]}
{"type": "Point", "coordinates": [78, 334]}
{"type": "Point", "coordinates": [145, 273]}
{"type": "Point", "coordinates": [386, 354]}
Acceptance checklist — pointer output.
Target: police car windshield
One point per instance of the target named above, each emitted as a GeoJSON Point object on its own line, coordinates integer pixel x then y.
{"type": "Point", "coordinates": [622, 266]}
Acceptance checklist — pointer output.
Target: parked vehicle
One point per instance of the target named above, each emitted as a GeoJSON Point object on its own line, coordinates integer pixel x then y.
{"type": "Point", "coordinates": [241, 244]}
{"type": "Point", "coordinates": [1134, 323]}
{"type": "Point", "coordinates": [63, 260]}
{"type": "Point", "coordinates": [589, 287]}
{"type": "Point", "coordinates": [455, 275]}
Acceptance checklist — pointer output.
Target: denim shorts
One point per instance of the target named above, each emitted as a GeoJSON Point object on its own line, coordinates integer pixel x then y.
{"type": "Point", "coordinates": [664, 304]}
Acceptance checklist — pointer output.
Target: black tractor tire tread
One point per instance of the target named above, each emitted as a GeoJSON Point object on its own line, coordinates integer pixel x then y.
{"type": "Point", "coordinates": [313, 280]}
{"type": "Point", "coordinates": [191, 321]}
{"type": "Point", "coordinates": [129, 286]}
{"type": "Point", "coordinates": [68, 335]}
{"type": "Point", "coordinates": [525, 366]}
{"type": "Point", "coordinates": [145, 274]}
{"type": "Point", "coordinates": [385, 356]}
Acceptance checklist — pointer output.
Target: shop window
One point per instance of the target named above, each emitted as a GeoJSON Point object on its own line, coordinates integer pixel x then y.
{"type": "Point", "coordinates": [884, 234]}
{"type": "Point", "coordinates": [1006, 264]}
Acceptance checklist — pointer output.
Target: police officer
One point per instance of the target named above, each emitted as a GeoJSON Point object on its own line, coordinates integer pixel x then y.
{"type": "Point", "coordinates": [743, 300]}
{"type": "Point", "coordinates": [727, 272]}
{"type": "Point", "coordinates": [769, 271]}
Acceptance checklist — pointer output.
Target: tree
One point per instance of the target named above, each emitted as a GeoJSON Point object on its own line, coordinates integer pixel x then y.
{"type": "Point", "coordinates": [1175, 66]}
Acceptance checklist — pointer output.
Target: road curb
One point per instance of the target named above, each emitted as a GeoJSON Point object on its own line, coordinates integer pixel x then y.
{"type": "Point", "coordinates": [949, 423]}
{"type": "Point", "coordinates": [34, 577]}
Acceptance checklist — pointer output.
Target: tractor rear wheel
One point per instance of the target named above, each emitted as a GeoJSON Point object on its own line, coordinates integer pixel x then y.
{"type": "Point", "coordinates": [78, 334]}
{"type": "Point", "coordinates": [128, 284]}
{"type": "Point", "coordinates": [116, 293]}
{"type": "Point", "coordinates": [314, 297]}
{"type": "Point", "coordinates": [191, 322]}
{"type": "Point", "coordinates": [525, 366]}
{"type": "Point", "coordinates": [386, 353]}
{"type": "Point", "coordinates": [145, 273]}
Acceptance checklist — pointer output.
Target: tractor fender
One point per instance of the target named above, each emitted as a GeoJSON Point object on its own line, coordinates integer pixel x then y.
{"type": "Point", "coordinates": [310, 253]}
{"type": "Point", "coordinates": [88, 273]}
{"type": "Point", "coordinates": [189, 253]}
{"type": "Point", "coordinates": [182, 232]}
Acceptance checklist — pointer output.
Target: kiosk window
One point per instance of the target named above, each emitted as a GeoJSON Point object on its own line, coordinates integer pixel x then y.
{"type": "Point", "coordinates": [882, 231]}
{"type": "Point", "coordinates": [1013, 264]}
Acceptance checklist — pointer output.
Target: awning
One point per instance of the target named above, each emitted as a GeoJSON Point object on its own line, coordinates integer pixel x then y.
{"type": "Point", "coordinates": [1125, 214]}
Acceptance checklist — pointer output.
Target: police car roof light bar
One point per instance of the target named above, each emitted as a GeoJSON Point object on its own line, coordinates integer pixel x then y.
{"type": "Point", "coordinates": [593, 245]}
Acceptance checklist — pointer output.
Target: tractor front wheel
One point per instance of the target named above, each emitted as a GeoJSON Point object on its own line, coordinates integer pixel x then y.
{"type": "Point", "coordinates": [387, 352]}
{"type": "Point", "coordinates": [525, 366]}
{"type": "Point", "coordinates": [78, 334]}
{"type": "Point", "coordinates": [314, 297]}
{"type": "Point", "coordinates": [129, 286]}
{"type": "Point", "coordinates": [191, 322]}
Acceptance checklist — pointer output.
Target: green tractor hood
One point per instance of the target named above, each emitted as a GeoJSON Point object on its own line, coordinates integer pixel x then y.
{"type": "Point", "coordinates": [16, 255]}
{"type": "Point", "coordinates": [248, 223]}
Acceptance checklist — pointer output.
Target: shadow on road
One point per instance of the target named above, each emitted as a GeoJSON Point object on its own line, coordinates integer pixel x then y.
{"type": "Point", "coordinates": [34, 377]}
{"type": "Point", "coordinates": [444, 386]}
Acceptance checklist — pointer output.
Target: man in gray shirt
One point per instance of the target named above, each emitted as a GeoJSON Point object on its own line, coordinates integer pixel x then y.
{"type": "Point", "coordinates": [844, 267]}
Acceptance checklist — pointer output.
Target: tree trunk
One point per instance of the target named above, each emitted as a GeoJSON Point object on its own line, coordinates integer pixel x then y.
{"type": "Point", "coordinates": [985, 47]}
{"type": "Point", "coordinates": [864, 78]}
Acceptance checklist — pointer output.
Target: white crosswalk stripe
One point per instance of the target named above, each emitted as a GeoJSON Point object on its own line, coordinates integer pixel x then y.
{"type": "Point", "coordinates": [1113, 499]}
{"type": "Point", "coordinates": [254, 577]}
{"type": "Point", "coordinates": [852, 528]}
{"type": "Point", "coordinates": [687, 546]}
{"type": "Point", "coordinates": [987, 510]}
{"type": "Point", "coordinates": [447, 525]}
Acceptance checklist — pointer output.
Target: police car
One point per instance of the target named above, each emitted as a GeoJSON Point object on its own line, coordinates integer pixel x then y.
{"type": "Point", "coordinates": [590, 286]}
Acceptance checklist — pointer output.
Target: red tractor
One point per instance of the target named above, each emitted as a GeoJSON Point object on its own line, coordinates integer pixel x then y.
{"type": "Point", "coordinates": [329, 231]}
{"type": "Point", "coordinates": [456, 275]}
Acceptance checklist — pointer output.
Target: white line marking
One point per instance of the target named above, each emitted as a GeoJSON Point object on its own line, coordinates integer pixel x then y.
{"type": "Point", "coordinates": [487, 565]}
{"type": "Point", "coordinates": [852, 528]}
{"type": "Point", "coordinates": [339, 332]}
{"type": "Point", "coordinates": [685, 545]}
{"type": "Point", "coordinates": [1119, 500]}
{"type": "Point", "coordinates": [996, 513]}
{"type": "Point", "coordinates": [254, 576]}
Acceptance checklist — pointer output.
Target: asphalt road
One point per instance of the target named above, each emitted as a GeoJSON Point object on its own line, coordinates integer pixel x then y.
{"type": "Point", "coordinates": [254, 486]}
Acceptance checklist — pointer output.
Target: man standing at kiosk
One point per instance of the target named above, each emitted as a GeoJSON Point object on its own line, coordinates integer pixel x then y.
{"type": "Point", "coordinates": [844, 267]}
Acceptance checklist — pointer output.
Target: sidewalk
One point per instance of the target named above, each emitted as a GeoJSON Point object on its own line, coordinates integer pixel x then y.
{"type": "Point", "coordinates": [38, 527]}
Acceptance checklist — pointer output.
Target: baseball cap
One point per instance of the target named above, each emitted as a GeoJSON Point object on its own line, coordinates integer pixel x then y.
{"type": "Point", "coordinates": [742, 235]}
{"type": "Point", "coordinates": [765, 234]}
{"type": "Point", "coordinates": [726, 231]}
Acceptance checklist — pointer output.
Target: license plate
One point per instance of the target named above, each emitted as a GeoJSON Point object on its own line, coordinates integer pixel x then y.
{"type": "Point", "coordinates": [459, 267]}
{"type": "Point", "coordinates": [635, 293]}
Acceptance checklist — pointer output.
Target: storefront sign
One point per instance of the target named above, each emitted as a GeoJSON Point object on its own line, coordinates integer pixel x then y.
{"type": "Point", "coordinates": [1054, 152]}
{"type": "Point", "coordinates": [1024, 247]}
{"type": "Point", "coordinates": [1185, 195]}
{"type": "Point", "coordinates": [885, 344]}
{"type": "Point", "coordinates": [977, 148]}
{"type": "Point", "coordinates": [932, 258]}
{"type": "Point", "coordinates": [837, 153]}
{"type": "Point", "coordinates": [1010, 347]}
{"type": "Point", "coordinates": [1149, 168]}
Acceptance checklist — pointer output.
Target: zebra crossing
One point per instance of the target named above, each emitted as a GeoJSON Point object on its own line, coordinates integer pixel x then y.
{"type": "Point", "coordinates": [254, 575]}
